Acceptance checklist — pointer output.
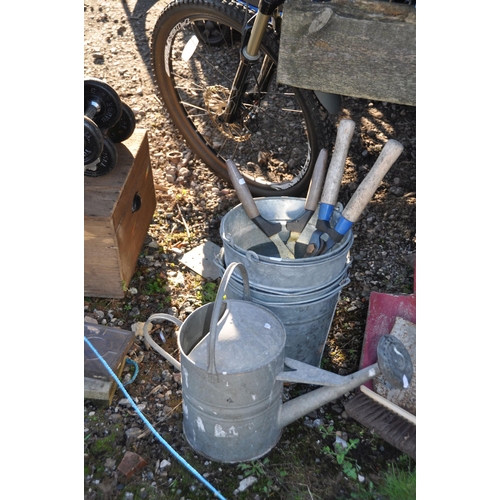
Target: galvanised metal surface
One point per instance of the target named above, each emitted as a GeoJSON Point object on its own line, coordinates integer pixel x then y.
{"type": "Point", "coordinates": [242, 239]}
{"type": "Point", "coordinates": [260, 293]}
{"type": "Point", "coordinates": [302, 292]}
{"type": "Point", "coordinates": [231, 354]}
{"type": "Point", "coordinates": [233, 368]}
{"type": "Point", "coordinates": [307, 317]}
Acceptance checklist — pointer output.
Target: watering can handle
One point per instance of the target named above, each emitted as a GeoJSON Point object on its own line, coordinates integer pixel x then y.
{"type": "Point", "coordinates": [154, 345]}
{"type": "Point", "coordinates": [216, 311]}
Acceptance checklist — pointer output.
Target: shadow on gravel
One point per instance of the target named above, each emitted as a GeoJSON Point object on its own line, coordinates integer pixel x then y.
{"type": "Point", "coordinates": [137, 19]}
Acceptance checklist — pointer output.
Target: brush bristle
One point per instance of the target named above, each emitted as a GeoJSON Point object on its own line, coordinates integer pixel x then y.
{"type": "Point", "coordinates": [390, 426]}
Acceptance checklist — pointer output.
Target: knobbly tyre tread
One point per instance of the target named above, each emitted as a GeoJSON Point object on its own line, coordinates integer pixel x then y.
{"type": "Point", "coordinates": [322, 123]}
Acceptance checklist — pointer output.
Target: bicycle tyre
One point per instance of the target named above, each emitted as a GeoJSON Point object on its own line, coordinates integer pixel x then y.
{"type": "Point", "coordinates": [279, 133]}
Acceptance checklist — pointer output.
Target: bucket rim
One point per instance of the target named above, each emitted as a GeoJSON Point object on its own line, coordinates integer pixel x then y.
{"type": "Point", "coordinates": [304, 299]}
{"type": "Point", "coordinates": [291, 292]}
{"type": "Point", "coordinates": [343, 247]}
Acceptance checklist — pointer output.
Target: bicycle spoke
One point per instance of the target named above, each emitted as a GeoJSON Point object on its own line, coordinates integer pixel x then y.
{"type": "Point", "coordinates": [267, 135]}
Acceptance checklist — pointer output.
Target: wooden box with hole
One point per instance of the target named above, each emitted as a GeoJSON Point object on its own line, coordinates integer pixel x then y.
{"type": "Point", "coordinates": [118, 210]}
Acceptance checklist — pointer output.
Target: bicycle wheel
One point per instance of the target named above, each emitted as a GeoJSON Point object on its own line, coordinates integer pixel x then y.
{"type": "Point", "coordinates": [278, 131]}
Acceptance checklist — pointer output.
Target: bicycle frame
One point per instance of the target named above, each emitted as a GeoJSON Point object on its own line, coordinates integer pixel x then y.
{"type": "Point", "coordinates": [264, 13]}
{"type": "Point", "coordinates": [250, 53]}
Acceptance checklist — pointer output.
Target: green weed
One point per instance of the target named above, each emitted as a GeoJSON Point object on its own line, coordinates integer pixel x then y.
{"type": "Point", "coordinates": [103, 445]}
{"type": "Point", "coordinates": [154, 286]}
{"type": "Point", "coordinates": [209, 292]}
{"type": "Point", "coordinates": [254, 468]}
{"type": "Point", "coordinates": [349, 466]}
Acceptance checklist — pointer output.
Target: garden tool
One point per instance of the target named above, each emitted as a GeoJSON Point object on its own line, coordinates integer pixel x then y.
{"type": "Point", "coordinates": [297, 226]}
{"type": "Point", "coordinates": [389, 154]}
{"type": "Point", "coordinates": [331, 189]}
{"type": "Point", "coordinates": [271, 229]}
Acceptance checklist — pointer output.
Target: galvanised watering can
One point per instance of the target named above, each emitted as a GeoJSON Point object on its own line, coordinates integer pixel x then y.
{"type": "Point", "coordinates": [233, 368]}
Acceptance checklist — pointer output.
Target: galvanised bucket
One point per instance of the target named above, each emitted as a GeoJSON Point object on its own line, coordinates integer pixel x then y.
{"type": "Point", "coordinates": [302, 292]}
{"type": "Point", "coordinates": [307, 317]}
{"type": "Point", "coordinates": [244, 242]}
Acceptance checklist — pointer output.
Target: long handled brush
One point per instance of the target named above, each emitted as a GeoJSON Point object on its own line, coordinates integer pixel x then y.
{"type": "Point", "coordinates": [390, 421]}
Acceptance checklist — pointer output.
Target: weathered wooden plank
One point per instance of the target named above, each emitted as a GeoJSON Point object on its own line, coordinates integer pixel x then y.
{"type": "Point", "coordinates": [363, 49]}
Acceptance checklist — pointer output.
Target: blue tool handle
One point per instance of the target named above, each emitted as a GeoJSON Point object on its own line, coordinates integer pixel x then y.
{"type": "Point", "coordinates": [325, 211]}
{"type": "Point", "coordinates": [341, 227]}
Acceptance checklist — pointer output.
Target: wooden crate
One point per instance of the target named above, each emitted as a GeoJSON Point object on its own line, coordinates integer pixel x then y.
{"type": "Point", "coordinates": [118, 210]}
{"type": "Point", "coordinates": [364, 49]}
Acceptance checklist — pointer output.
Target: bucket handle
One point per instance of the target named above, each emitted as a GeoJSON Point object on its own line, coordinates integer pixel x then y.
{"type": "Point", "coordinates": [217, 309]}
{"type": "Point", "coordinates": [229, 238]}
{"type": "Point", "coordinates": [154, 345]}
{"type": "Point", "coordinates": [219, 261]}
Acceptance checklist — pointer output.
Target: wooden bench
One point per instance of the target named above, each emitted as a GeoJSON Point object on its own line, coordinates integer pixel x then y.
{"type": "Point", "coordinates": [361, 48]}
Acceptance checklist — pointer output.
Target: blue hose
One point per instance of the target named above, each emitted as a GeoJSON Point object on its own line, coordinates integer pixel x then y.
{"type": "Point", "coordinates": [152, 429]}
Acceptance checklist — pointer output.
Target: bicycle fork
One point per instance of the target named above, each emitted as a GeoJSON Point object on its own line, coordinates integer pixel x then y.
{"type": "Point", "coordinates": [249, 55]}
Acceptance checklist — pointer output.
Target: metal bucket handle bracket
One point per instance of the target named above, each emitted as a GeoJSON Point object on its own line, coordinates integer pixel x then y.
{"type": "Point", "coordinates": [252, 256]}
{"type": "Point", "coordinates": [217, 309]}
{"type": "Point", "coordinates": [154, 345]}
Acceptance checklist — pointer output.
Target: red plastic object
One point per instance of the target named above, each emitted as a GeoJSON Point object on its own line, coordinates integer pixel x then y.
{"type": "Point", "coordinates": [383, 310]}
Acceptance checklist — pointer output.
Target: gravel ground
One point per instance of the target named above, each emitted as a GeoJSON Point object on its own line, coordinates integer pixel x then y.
{"type": "Point", "coordinates": [191, 202]}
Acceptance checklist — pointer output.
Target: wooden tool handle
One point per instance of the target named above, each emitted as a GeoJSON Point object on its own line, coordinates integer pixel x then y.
{"type": "Point", "coordinates": [388, 156]}
{"type": "Point", "coordinates": [317, 180]}
{"type": "Point", "coordinates": [333, 180]}
{"type": "Point", "coordinates": [242, 190]}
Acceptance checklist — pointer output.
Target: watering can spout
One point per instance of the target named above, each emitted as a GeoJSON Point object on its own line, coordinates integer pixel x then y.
{"type": "Point", "coordinates": [334, 386]}
{"type": "Point", "coordinates": [393, 362]}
